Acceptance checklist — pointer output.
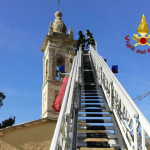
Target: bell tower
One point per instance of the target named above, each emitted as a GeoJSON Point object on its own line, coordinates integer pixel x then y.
{"type": "Point", "coordinates": [58, 50]}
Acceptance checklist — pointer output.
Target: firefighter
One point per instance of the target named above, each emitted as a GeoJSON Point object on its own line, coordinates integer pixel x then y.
{"type": "Point", "coordinates": [90, 40]}
{"type": "Point", "coordinates": [81, 41]}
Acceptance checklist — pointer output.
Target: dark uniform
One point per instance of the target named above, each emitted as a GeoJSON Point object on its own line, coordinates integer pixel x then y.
{"type": "Point", "coordinates": [81, 40]}
{"type": "Point", "coordinates": [90, 40]}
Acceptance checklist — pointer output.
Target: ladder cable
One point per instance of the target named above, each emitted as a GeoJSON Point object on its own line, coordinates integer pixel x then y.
{"type": "Point", "coordinates": [141, 97]}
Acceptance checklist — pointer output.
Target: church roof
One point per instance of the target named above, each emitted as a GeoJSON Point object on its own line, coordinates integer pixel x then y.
{"type": "Point", "coordinates": [26, 124]}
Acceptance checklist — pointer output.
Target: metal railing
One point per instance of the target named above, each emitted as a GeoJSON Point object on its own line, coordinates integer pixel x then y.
{"type": "Point", "coordinates": [133, 125]}
{"type": "Point", "coordinates": [62, 138]}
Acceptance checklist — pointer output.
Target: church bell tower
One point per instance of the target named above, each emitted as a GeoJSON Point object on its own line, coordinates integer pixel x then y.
{"type": "Point", "coordinates": [58, 50]}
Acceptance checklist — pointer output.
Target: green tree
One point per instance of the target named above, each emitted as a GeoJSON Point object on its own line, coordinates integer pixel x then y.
{"type": "Point", "coordinates": [2, 97]}
{"type": "Point", "coordinates": [7, 122]}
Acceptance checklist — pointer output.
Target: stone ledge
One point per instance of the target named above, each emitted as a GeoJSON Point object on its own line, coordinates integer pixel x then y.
{"type": "Point", "coordinates": [60, 39]}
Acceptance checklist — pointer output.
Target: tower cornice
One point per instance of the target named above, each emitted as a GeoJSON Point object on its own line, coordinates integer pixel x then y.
{"type": "Point", "coordinates": [63, 38]}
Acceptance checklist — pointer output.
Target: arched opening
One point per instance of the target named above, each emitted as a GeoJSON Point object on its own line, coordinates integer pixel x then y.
{"type": "Point", "coordinates": [60, 68]}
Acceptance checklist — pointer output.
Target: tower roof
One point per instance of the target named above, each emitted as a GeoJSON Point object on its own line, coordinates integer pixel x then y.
{"type": "Point", "coordinates": [57, 33]}
{"type": "Point", "coordinates": [58, 25]}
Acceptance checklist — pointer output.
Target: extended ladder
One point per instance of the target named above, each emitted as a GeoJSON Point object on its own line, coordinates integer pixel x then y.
{"type": "Point", "coordinates": [97, 112]}
{"type": "Point", "coordinates": [95, 126]}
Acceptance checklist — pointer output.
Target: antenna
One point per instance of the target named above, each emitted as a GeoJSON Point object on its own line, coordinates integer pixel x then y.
{"type": "Point", "coordinates": [58, 4]}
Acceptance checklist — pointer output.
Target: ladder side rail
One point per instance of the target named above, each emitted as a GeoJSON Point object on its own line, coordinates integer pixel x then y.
{"type": "Point", "coordinates": [69, 110]}
{"type": "Point", "coordinates": [76, 80]}
{"type": "Point", "coordinates": [71, 106]}
{"type": "Point", "coordinates": [141, 120]}
{"type": "Point", "coordinates": [107, 78]}
{"type": "Point", "coordinates": [95, 45]}
{"type": "Point", "coordinates": [61, 119]}
{"type": "Point", "coordinates": [104, 78]}
{"type": "Point", "coordinates": [107, 87]}
{"type": "Point", "coordinates": [77, 104]}
{"type": "Point", "coordinates": [105, 82]}
{"type": "Point", "coordinates": [67, 113]}
{"type": "Point", "coordinates": [78, 64]}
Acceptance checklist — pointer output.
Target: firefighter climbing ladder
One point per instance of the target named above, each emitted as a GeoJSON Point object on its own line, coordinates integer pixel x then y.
{"type": "Point", "coordinates": [97, 113]}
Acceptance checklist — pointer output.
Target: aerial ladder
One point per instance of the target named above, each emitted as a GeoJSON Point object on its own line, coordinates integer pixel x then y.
{"type": "Point", "coordinates": [97, 113]}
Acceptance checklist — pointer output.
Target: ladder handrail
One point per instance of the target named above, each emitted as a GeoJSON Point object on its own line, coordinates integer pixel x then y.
{"type": "Point", "coordinates": [75, 75]}
{"type": "Point", "coordinates": [114, 88]}
{"type": "Point", "coordinates": [60, 133]}
{"type": "Point", "coordinates": [113, 80]}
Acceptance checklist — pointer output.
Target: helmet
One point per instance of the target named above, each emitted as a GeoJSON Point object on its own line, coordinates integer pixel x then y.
{"type": "Point", "coordinates": [80, 32]}
{"type": "Point", "coordinates": [87, 31]}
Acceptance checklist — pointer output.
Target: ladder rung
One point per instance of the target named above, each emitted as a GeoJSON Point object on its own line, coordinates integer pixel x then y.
{"type": "Point", "coordinates": [85, 148]}
{"type": "Point", "coordinates": [87, 70]}
{"type": "Point", "coordinates": [92, 90]}
{"type": "Point", "coordinates": [91, 86]}
{"type": "Point", "coordinates": [93, 144]}
{"type": "Point", "coordinates": [94, 115]}
{"type": "Point", "coordinates": [91, 94]}
{"type": "Point", "coordinates": [91, 97]}
{"type": "Point", "coordinates": [92, 105]}
{"type": "Point", "coordinates": [93, 120]}
{"type": "Point", "coordinates": [95, 127]}
{"type": "Point", "coordinates": [92, 131]}
{"type": "Point", "coordinates": [91, 101]}
{"type": "Point", "coordinates": [94, 110]}
{"type": "Point", "coordinates": [97, 135]}
{"type": "Point", "coordinates": [101, 144]}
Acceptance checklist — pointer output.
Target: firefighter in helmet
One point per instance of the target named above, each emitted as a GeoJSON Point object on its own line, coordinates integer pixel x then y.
{"type": "Point", "coordinates": [81, 40]}
{"type": "Point", "coordinates": [90, 40]}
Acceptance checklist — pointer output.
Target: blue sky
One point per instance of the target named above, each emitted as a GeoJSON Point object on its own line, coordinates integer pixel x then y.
{"type": "Point", "coordinates": [24, 25]}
